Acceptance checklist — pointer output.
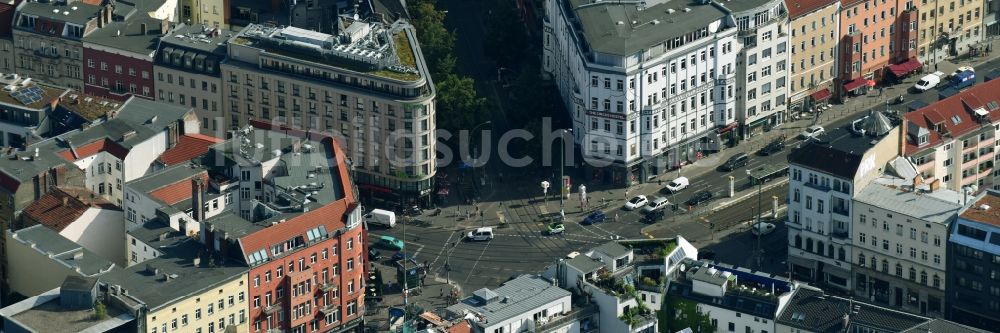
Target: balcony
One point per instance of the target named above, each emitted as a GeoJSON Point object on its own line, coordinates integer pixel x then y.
{"type": "Point", "coordinates": [816, 186]}
{"type": "Point", "coordinates": [581, 314]}
{"type": "Point", "coordinates": [841, 211]}
{"type": "Point", "coordinates": [44, 54]}
{"type": "Point", "coordinates": [328, 287]}
{"type": "Point", "coordinates": [272, 309]}
{"type": "Point", "coordinates": [840, 235]}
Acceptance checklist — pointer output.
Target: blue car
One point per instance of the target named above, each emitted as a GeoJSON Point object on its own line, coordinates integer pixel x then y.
{"type": "Point", "coordinates": [595, 217]}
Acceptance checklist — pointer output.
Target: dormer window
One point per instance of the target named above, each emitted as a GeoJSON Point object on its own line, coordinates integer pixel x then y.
{"type": "Point", "coordinates": [28, 21]}
{"type": "Point", "coordinates": [922, 140]}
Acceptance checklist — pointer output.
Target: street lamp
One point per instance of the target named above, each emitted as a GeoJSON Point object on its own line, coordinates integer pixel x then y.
{"type": "Point", "coordinates": [476, 154]}
{"type": "Point", "coordinates": [757, 225]}
{"type": "Point", "coordinates": [562, 173]}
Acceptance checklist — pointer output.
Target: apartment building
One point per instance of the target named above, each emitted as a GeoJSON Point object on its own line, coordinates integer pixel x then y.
{"type": "Point", "coordinates": [528, 301]}
{"type": "Point", "coordinates": [312, 15]}
{"type": "Point", "coordinates": [991, 17]}
{"type": "Point", "coordinates": [762, 64]}
{"type": "Point", "coordinates": [69, 307]}
{"type": "Point", "coordinates": [900, 230]}
{"type": "Point", "coordinates": [821, 196]}
{"type": "Point", "coordinates": [118, 59]}
{"type": "Point", "coordinates": [185, 290]}
{"type": "Point", "coordinates": [874, 34]}
{"type": "Point", "coordinates": [367, 95]}
{"type": "Point", "coordinates": [100, 158]}
{"type": "Point", "coordinates": [209, 13]}
{"type": "Point", "coordinates": [82, 217]}
{"type": "Point", "coordinates": [7, 9]}
{"type": "Point", "coordinates": [645, 98]}
{"type": "Point", "coordinates": [974, 264]}
{"type": "Point", "coordinates": [733, 299]}
{"type": "Point", "coordinates": [953, 140]}
{"type": "Point", "coordinates": [187, 73]}
{"type": "Point", "coordinates": [25, 118]}
{"type": "Point", "coordinates": [815, 28]}
{"type": "Point", "coordinates": [608, 272]}
{"type": "Point", "coordinates": [39, 259]}
{"type": "Point", "coordinates": [949, 28]}
{"type": "Point", "coordinates": [811, 310]}
{"type": "Point", "coordinates": [48, 39]}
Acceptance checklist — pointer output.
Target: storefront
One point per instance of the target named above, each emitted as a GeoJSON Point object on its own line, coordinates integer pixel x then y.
{"type": "Point", "coordinates": [857, 87]}
{"type": "Point", "coordinates": [902, 70]}
{"type": "Point", "coordinates": [727, 135]}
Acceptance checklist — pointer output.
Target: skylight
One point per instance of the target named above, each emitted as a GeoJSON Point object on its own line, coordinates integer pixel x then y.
{"type": "Point", "coordinates": [956, 120]}
{"type": "Point", "coordinates": [992, 105]}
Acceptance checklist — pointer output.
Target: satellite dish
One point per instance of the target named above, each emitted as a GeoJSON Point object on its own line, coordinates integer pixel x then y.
{"type": "Point", "coordinates": [683, 268]}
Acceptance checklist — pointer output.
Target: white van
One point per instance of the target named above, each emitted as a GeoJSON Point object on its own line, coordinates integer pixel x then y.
{"type": "Point", "coordinates": [480, 234]}
{"type": "Point", "coordinates": [381, 216]}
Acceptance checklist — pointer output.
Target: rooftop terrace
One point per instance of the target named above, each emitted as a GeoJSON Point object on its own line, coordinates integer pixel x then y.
{"type": "Point", "coordinates": [370, 48]}
{"type": "Point", "coordinates": [43, 313]}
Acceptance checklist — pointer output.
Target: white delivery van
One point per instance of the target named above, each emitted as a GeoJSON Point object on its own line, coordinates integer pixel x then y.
{"type": "Point", "coordinates": [480, 234]}
{"type": "Point", "coordinates": [381, 216]}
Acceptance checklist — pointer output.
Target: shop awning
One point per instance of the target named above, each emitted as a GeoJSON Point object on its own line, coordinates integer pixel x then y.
{"type": "Point", "coordinates": [855, 85]}
{"type": "Point", "coordinates": [821, 95]}
{"type": "Point", "coordinates": [728, 128]}
{"type": "Point", "coordinates": [905, 67]}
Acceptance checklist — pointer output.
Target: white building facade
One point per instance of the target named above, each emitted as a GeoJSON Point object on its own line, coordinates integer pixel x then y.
{"type": "Point", "coordinates": [762, 70]}
{"type": "Point", "coordinates": [653, 97]}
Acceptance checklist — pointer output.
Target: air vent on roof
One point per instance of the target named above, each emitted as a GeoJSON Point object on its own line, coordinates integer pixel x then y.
{"type": "Point", "coordinates": [670, 10]}
{"type": "Point", "coordinates": [655, 22]}
{"type": "Point", "coordinates": [687, 9]}
{"type": "Point", "coordinates": [619, 23]}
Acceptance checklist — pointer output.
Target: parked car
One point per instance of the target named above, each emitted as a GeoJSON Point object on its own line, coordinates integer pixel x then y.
{"type": "Point", "coordinates": [812, 132]}
{"type": "Point", "coordinates": [928, 82]}
{"type": "Point", "coordinates": [962, 69]}
{"type": "Point", "coordinates": [736, 161]}
{"type": "Point", "coordinates": [390, 243]}
{"type": "Point", "coordinates": [403, 256]}
{"type": "Point", "coordinates": [555, 228]}
{"type": "Point", "coordinates": [636, 202]}
{"type": "Point", "coordinates": [700, 198]}
{"type": "Point", "coordinates": [773, 147]}
{"type": "Point", "coordinates": [762, 228]}
{"type": "Point", "coordinates": [678, 184]}
{"type": "Point", "coordinates": [656, 204]}
{"type": "Point", "coordinates": [480, 234]}
{"type": "Point", "coordinates": [653, 217]}
{"type": "Point", "coordinates": [595, 217]}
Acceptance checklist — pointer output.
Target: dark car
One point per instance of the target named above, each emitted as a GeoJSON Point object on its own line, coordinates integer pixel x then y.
{"type": "Point", "coordinates": [374, 255]}
{"type": "Point", "coordinates": [653, 217]}
{"type": "Point", "coordinates": [736, 161]}
{"type": "Point", "coordinates": [402, 256]}
{"type": "Point", "coordinates": [700, 198]}
{"type": "Point", "coordinates": [772, 147]}
{"type": "Point", "coordinates": [595, 217]}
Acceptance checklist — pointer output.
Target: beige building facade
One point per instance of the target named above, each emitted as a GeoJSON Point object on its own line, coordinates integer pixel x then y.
{"type": "Point", "coordinates": [814, 26]}
{"type": "Point", "coordinates": [223, 308]}
{"type": "Point", "coordinates": [948, 28]}
{"type": "Point", "coordinates": [213, 13]}
{"type": "Point", "coordinates": [385, 118]}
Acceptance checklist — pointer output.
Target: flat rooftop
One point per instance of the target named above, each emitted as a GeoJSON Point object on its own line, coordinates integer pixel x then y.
{"type": "Point", "coordinates": [39, 95]}
{"type": "Point", "coordinates": [66, 252]}
{"type": "Point", "coordinates": [837, 152]}
{"type": "Point", "coordinates": [935, 207]}
{"type": "Point", "coordinates": [372, 48]}
{"type": "Point", "coordinates": [513, 298]}
{"type": "Point", "coordinates": [51, 317]}
{"type": "Point", "coordinates": [990, 215]}
{"type": "Point", "coordinates": [742, 5]}
{"type": "Point", "coordinates": [198, 37]}
{"type": "Point", "coordinates": [622, 29]}
{"type": "Point", "coordinates": [76, 12]}
{"type": "Point", "coordinates": [88, 107]}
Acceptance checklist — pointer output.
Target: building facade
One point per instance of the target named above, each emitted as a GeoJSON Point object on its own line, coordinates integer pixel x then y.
{"type": "Point", "coordinates": [874, 34]}
{"type": "Point", "coordinates": [953, 140]}
{"type": "Point", "coordinates": [974, 264]}
{"type": "Point", "coordinates": [820, 207]}
{"type": "Point", "coordinates": [382, 107]}
{"type": "Point", "coordinates": [814, 28]}
{"type": "Point", "coordinates": [48, 45]}
{"type": "Point", "coordinates": [649, 100]}
{"type": "Point", "coordinates": [762, 64]}
{"type": "Point", "coordinates": [949, 28]}
{"type": "Point", "coordinates": [118, 59]}
{"type": "Point", "coordinates": [210, 13]}
{"type": "Point", "coordinates": [187, 73]}
{"type": "Point", "coordinates": [899, 240]}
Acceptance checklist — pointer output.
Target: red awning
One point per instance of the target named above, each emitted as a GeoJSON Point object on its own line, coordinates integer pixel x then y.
{"type": "Point", "coordinates": [905, 67]}
{"type": "Point", "coordinates": [855, 85]}
{"type": "Point", "coordinates": [821, 95]}
{"type": "Point", "coordinates": [728, 128]}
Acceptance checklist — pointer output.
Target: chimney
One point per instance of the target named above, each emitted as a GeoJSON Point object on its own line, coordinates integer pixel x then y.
{"type": "Point", "coordinates": [65, 201]}
{"type": "Point", "coordinates": [917, 181]}
{"type": "Point", "coordinates": [196, 261]}
{"type": "Point", "coordinates": [100, 18]}
{"type": "Point", "coordinates": [108, 11]}
{"type": "Point", "coordinates": [198, 198]}
{"type": "Point", "coordinates": [902, 137]}
{"type": "Point", "coordinates": [935, 185]}
{"type": "Point", "coordinates": [142, 29]}
{"type": "Point", "coordinates": [164, 27]}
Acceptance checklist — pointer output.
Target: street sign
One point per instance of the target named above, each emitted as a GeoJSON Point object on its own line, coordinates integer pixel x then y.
{"type": "Point", "coordinates": [566, 187]}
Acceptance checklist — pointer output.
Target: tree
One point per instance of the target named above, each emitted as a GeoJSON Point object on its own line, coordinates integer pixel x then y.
{"type": "Point", "coordinates": [506, 41]}
{"type": "Point", "coordinates": [458, 105]}
{"type": "Point", "coordinates": [100, 311]}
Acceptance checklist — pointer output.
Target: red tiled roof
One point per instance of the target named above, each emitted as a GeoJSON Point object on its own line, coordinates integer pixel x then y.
{"type": "Point", "coordinates": [332, 216]}
{"type": "Point", "coordinates": [90, 149]}
{"type": "Point", "coordinates": [462, 327]}
{"type": "Point", "coordinates": [178, 191]}
{"type": "Point", "coordinates": [50, 211]}
{"type": "Point", "coordinates": [961, 105]}
{"type": "Point", "coordinates": [797, 8]}
{"type": "Point", "coordinates": [188, 147]}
